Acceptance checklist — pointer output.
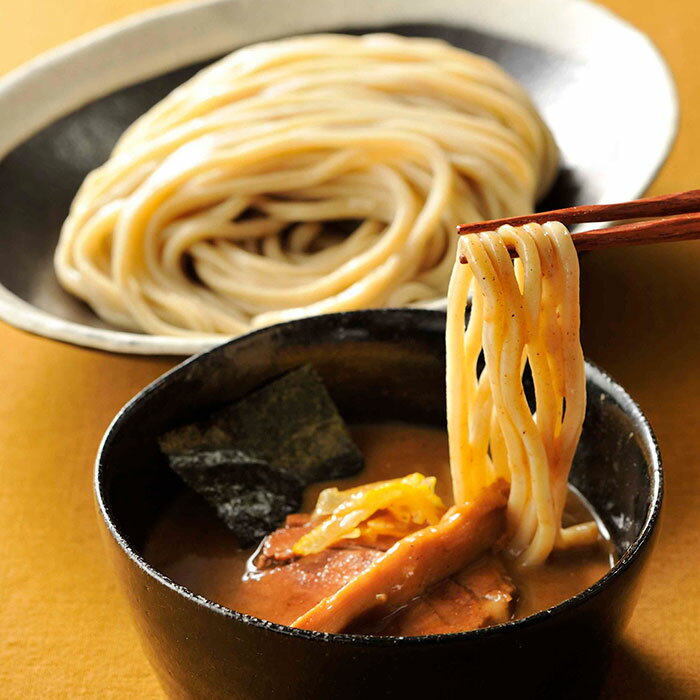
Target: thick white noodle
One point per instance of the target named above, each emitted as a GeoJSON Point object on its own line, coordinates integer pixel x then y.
{"type": "Point", "coordinates": [217, 211]}
{"type": "Point", "coordinates": [525, 313]}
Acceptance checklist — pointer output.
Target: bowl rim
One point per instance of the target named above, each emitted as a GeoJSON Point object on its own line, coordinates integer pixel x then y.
{"type": "Point", "coordinates": [420, 318]}
{"type": "Point", "coordinates": [64, 78]}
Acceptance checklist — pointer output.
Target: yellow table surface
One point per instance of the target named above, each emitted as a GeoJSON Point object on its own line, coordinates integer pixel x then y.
{"type": "Point", "coordinates": [65, 630]}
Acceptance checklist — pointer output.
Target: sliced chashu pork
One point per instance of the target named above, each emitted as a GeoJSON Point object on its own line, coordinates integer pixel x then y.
{"type": "Point", "coordinates": [439, 596]}
{"type": "Point", "coordinates": [478, 596]}
{"type": "Point", "coordinates": [415, 563]}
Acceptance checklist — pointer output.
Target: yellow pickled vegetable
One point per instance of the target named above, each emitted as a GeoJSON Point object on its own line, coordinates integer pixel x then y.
{"type": "Point", "coordinates": [406, 504]}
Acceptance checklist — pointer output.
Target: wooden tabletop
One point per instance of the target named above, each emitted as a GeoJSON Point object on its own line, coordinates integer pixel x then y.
{"type": "Point", "coordinates": [65, 630]}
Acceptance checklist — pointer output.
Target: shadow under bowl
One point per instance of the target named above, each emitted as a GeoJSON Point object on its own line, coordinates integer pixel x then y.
{"type": "Point", "coordinates": [379, 365]}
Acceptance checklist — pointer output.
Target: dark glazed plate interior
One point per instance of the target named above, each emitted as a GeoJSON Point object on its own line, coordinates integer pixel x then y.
{"type": "Point", "coordinates": [606, 155]}
{"type": "Point", "coordinates": [382, 365]}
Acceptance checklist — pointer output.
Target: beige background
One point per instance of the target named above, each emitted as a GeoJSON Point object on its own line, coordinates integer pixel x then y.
{"type": "Point", "coordinates": [64, 629]}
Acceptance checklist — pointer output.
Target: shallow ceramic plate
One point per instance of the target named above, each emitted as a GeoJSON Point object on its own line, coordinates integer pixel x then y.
{"type": "Point", "coordinates": [61, 113]}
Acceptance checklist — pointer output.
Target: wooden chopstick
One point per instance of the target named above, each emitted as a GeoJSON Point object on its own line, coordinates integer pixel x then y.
{"type": "Point", "coordinates": [680, 222]}
{"type": "Point", "coordinates": [684, 227]}
{"type": "Point", "coordinates": [663, 205]}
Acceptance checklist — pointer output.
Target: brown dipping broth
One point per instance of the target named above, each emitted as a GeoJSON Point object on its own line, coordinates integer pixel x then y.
{"type": "Point", "coordinates": [191, 546]}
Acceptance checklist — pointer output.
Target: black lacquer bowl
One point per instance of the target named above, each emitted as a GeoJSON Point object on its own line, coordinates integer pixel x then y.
{"type": "Point", "coordinates": [379, 366]}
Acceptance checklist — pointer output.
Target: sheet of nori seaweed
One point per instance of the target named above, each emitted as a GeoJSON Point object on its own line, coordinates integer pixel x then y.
{"type": "Point", "coordinates": [251, 459]}
{"type": "Point", "coordinates": [245, 494]}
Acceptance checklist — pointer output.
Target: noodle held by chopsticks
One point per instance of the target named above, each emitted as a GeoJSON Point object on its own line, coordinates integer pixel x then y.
{"type": "Point", "coordinates": [302, 176]}
{"type": "Point", "coordinates": [525, 312]}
